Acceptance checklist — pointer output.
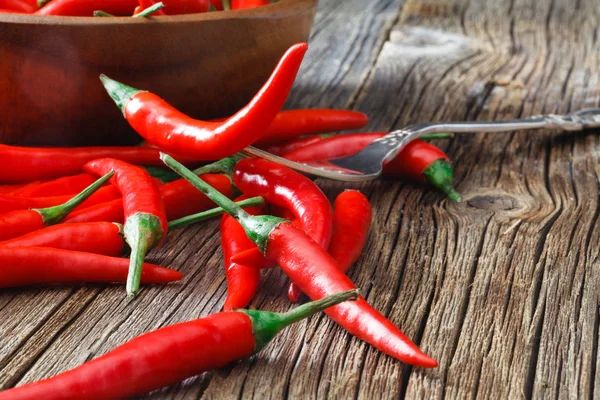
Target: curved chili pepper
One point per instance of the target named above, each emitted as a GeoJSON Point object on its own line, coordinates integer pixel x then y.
{"type": "Point", "coordinates": [242, 280]}
{"type": "Point", "coordinates": [179, 196]}
{"type": "Point", "coordinates": [86, 8]}
{"type": "Point", "coordinates": [104, 238]}
{"type": "Point", "coordinates": [17, 5]}
{"type": "Point", "coordinates": [316, 273]}
{"type": "Point", "coordinates": [291, 124]}
{"type": "Point", "coordinates": [58, 187]}
{"type": "Point", "coordinates": [10, 202]}
{"type": "Point", "coordinates": [286, 188]}
{"type": "Point", "coordinates": [161, 124]}
{"type": "Point", "coordinates": [17, 223]}
{"type": "Point", "coordinates": [419, 160]}
{"type": "Point", "coordinates": [144, 210]}
{"type": "Point", "coordinates": [172, 354]}
{"type": "Point", "coordinates": [24, 266]}
{"type": "Point", "coordinates": [242, 4]}
{"type": "Point", "coordinates": [26, 164]}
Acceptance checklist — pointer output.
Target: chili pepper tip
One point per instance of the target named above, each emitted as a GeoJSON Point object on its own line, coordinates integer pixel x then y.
{"type": "Point", "coordinates": [119, 92]}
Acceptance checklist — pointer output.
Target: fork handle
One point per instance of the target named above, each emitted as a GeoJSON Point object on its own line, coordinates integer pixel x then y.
{"type": "Point", "coordinates": [571, 122]}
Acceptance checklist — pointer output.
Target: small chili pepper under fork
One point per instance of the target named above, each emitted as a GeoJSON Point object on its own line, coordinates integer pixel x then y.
{"type": "Point", "coordinates": [368, 163]}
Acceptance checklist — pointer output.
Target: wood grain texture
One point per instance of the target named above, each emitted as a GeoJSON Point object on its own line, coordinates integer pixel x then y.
{"type": "Point", "coordinates": [501, 288]}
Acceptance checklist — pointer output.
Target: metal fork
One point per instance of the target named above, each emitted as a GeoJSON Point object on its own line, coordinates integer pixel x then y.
{"type": "Point", "coordinates": [368, 163]}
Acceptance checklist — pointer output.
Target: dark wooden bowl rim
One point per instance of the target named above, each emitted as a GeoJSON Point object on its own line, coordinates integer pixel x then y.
{"type": "Point", "coordinates": [264, 11]}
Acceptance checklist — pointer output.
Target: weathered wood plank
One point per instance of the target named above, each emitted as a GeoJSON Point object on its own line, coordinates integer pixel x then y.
{"type": "Point", "coordinates": [500, 289]}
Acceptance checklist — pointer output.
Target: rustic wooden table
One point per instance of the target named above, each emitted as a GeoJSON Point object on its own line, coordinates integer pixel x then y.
{"type": "Point", "coordinates": [500, 289]}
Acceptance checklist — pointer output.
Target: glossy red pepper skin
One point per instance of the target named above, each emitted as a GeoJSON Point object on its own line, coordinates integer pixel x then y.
{"type": "Point", "coordinates": [177, 7]}
{"type": "Point", "coordinates": [281, 186]}
{"type": "Point", "coordinates": [59, 187]}
{"type": "Point", "coordinates": [10, 203]}
{"type": "Point", "coordinates": [180, 199]}
{"type": "Point", "coordinates": [242, 4]}
{"type": "Point", "coordinates": [242, 280]}
{"type": "Point", "coordinates": [291, 124]}
{"type": "Point", "coordinates": [86, 8]}
{"type": "Point", "coordinates": [17, 188]}
{"type": "Point", "coordinates": [317, 275]}
{"type": "Point", "coordinates": [352, 217]}
{"type": "Point", "coordinates": [284, 148]}
{"type": "Point", "coordinates": [17, 6]}
{"type": "Point", "coordinates": [419, 160]}
{"type": "Point", "coordinates": [169, 129]}
{"type": "Point", "coordinates": [17, 223]}
{"type": "Point", "coordinates": [24, 266]}
{"type": "Point", "coordinates": [26, 164]}
{"type": "Point", "coordinates": [103, 238]}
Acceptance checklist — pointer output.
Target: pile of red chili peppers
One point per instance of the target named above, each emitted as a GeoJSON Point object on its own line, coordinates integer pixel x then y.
{"type": "Point", "coordinates": [60, 224]}
{"type": "Point", "coordinates": [135, 8]}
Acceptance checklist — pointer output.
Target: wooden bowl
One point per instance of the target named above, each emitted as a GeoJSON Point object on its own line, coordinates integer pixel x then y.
{"type": "Point", "coordinates": [207, 65]}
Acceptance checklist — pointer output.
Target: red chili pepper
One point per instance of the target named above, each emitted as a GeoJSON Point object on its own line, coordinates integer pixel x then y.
{"type": "Point", "coordinates": [59, 187]}
{"type": "Point", "coordinates": [86, 8]}
{"type": "Point", "coordinates": [316, 273]}
{"type": "Point", "coordinates": [242, 280]}
{"type": "Point", "coordinates": [241, 4]}
{"type": "Point", "coordinates": [161, 124]}
{"type": "Point", "coordinates": [176, 7]}
{"type": "Point", "coordinates": [145, 217]}
{"type": "Point", "coordinates": [171, 354]}
{"type": "Point", "coordinates": [286, 188]}
{"type": "Point", "coordinates": [17, 223]}
{"type": "Point", "coordinates": [17, 5]}
{"type": "Point", "coordinates": [96, 237]}
{"type": "Point", "coordinates": [24, 266]}
{"type": "Point", "coordinates": [419, 160]}
{"type": "Point", "coordinates": [283, 148]}
{"type": "Point", "coordinates": [26, 164]}
{"type": "Point", "coordinates": [291, 124]}
{"type": "Point", "coordinates": [351, 222]}
{"type": "Point", "coordinates": [17, 188]}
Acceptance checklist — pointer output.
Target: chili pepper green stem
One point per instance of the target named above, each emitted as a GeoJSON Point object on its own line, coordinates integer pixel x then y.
{"type": "Point", "coordinates": [439, 174]}
{"type": "Point", "coordinates": [42, 3]}
{"type": "Point", "coordinates": [226, 5]}
{"type": "Point", "coordinates": [152, 9]}
{"type": "Point", "coordinates": [142, 231]}
{"type": "Point", "coordinates": [223, 166]}
{"type": "Point", "coordinates": [257, 228]}
{"type": "Point", "coordinates": [267, 325]}
{"type": "Point", "coordinates": [100, 13]}
{"type": "Point", "coordinates": [191, 219]}
{"type": "Point", "coordinates": [120, 93]}
{"type": "Point", "coordinates": [53, 215]}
